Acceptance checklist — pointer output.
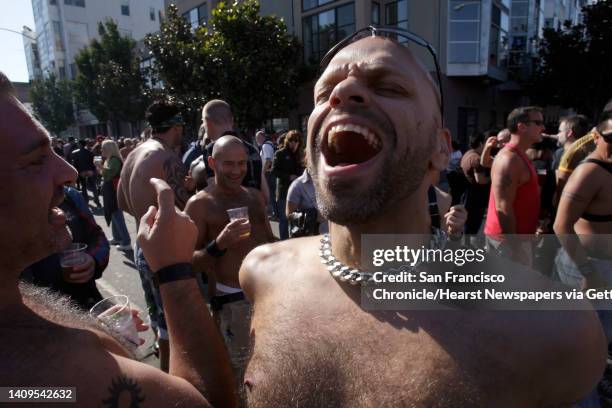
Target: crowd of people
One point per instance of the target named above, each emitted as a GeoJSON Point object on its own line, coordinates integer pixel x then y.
{"type": "Point", "coordinates": [243, 317]}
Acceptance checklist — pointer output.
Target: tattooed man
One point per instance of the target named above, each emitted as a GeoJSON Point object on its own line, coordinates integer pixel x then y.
{"type": "Point", "coordinates": [45, 342]}
{"type": "Point", "coordinates": [154, 158]}
{"type": "Point", "coordinates": [514, 201]}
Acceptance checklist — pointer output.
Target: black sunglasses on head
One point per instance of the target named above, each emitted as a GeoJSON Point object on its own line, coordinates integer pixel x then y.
{"type": "Point", "coordinates": [606, 136]}
{"type": "Point", "coordinates": [393, 33]}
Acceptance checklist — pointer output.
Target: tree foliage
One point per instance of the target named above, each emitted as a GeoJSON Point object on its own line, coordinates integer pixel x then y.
{"type": "Point", "coordinates": [255, 62]}
{"type": "Point", "coordinates": [52, 103]}
{"type": "Point", "coordinates": [109, 82]}
{"type": "Point", "coordinates": [242, 57]}
{"type": "Point", "coordinates": [180, 63]}
{"type": "Point", "coordinates": [574, 63]}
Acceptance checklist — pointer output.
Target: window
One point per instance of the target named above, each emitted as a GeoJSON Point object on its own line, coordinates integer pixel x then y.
{"type": "Point", "coordinates": [197, 16]}
{"type": "Point", "coordinates": [57, 36]}
{"type": "Point", "coordinates": [396, 14]}
{"type": "Point", "coordinates": [202, 14]}
{"type": "Point", "coordinates": [125, 8]}
{"type": "Point", "coordinates": [152, 13]}
{"type": "Point", "coordinates": [464, 31]}
{"type": "Point", "coordinates": [498, 39]}
{"type": "Point", "coordinates": [53, 2]}
{"type": "Point", "coordinates": [375, 13]}
{"type": "Point", "coordinates": [310, 4]}
{"type": "Point", "coordinates": [321, 31]}
{"type": "Point", "coordinates": [78, 3]}
{"type": "Point", "coordinates": [73, 71]}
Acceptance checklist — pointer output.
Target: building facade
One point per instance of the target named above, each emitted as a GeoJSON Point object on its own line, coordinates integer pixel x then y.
{"type": "Point", "coordinates": [64, 27]}
{"type": "Point", "coordinates": [197, 12]}
{"type": "Point", "coordinates": [485, 47]}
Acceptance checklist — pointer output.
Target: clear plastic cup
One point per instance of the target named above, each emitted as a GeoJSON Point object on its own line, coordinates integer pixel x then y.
{"type": "Point", "coordinates": [72, 257]}
{"type": "Point", "coordinates": [238, 214]}
{"type": "Point", "coordinates": [115, 313]}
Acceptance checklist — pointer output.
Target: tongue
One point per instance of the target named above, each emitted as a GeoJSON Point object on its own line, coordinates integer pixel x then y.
{"type": "Point", "coordinates": [349, 148]}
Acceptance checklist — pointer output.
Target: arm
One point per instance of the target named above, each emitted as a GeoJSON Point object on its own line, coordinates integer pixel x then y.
{"type": "Point", "coordinates": [562, 177]}
{"type": "Point", "coordinates": [197, 352]}
{"type": "Point", "coordinates": [174, 174]}
{"type": "Point", "coordinates": [505, 182]}
{"type": "Point", "coordinates": [575, 199]}
{"type": "Point", "coordinates": [265, 189]}
{"type": "Point", "coordinates": [97, 244]}
{"type": "Point", "coordinates": [201, 260]}
{"type": "Point", "coordinates": [486, 160]}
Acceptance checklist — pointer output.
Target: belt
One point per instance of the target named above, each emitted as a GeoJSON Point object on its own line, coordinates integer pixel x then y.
{"type": "Point", "coordinates": [217, 302]}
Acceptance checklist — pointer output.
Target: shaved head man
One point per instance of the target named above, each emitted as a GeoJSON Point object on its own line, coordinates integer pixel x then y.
{"type": "Point", "coordinates": [223, 241]}
{"type": "Point", "coordinates": [217, 118]}
{"type": "Point", "coordinates": [374, 135]}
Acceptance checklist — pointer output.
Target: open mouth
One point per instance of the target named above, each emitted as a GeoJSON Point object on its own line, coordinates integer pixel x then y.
{"type": "Point", "coordinates": [347, 144]}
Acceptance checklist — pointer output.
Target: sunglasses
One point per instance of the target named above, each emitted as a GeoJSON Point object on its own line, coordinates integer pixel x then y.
{"type": "Point", "coordinates": [606, 136]}
{"type": "Point", "coordinates": [536, 121]}
{"type": "Point", "coordinates": [393, 33]}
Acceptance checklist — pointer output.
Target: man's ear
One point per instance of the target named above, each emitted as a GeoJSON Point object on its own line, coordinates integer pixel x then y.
{"type": "Point", "coordinates": [441, 155]}
{"type": "Point", "coordinates": [211, 162]}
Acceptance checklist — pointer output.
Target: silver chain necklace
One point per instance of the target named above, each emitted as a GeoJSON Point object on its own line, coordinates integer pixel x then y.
{"type": "Point", "coordinates": [355, 276]}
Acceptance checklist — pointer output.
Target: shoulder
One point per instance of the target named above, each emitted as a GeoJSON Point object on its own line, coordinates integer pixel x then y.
{"type": "Point", "coordinates": [576, 353]}
{"type": "Point", "coordinates": [267, 265]}
{"type": "Point", "coordinates": [143, 383]}
{"type": "Point", "coordinates": [199, 203]}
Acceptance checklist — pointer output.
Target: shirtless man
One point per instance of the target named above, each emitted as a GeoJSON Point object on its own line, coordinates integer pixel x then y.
{"type": "Point", "coordinates": [313, 345]}
{"type": "Point", "coordinates": [45, 341]}
{"type": "Point", "coordinates": [222, 244]}
{"type": "Point", "coordinates": [585, 211]}
{"type": "Point", "coordinates": [156, 157]}
{"type": "Point", "coordinates": [514, 200]}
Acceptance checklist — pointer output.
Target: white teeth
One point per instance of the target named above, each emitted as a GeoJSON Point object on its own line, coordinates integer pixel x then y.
{"type": "Point", "coordinates": [368, 135]}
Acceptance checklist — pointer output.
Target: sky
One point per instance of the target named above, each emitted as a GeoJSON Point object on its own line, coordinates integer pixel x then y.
{"type": "Point", "coordinates": [14, 15]}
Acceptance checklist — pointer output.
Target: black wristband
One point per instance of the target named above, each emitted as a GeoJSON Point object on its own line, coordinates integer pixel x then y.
{"type": "Point", "coordinates": [213, 249]}
{"type": "Point", "coordinates": [175, 272]}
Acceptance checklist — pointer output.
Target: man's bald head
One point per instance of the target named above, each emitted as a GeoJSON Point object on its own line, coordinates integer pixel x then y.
{"type": "Point", "coordinates": [226, 143]}
{"type": "Point", "coordinates": [413, 66]}
{"type": "Point", "coordinates": [217, 118]}
{"type": "Point", "coordinates": [218, 111]}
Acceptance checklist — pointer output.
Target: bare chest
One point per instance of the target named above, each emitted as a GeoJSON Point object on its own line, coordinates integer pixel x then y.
{"type": "Point", "coordinates": [351, 358]}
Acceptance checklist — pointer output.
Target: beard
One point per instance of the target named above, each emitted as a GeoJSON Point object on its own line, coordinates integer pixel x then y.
{"type": "Point", "coordinates": [398, 178]}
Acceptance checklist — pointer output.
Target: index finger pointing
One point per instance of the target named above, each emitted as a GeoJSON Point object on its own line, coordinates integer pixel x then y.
{"type": "Point", "coordinates": [165, 198]}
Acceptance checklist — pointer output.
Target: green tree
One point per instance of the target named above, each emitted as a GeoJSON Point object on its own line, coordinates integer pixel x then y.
{"type": "Point", "coordinates": [52, 103]}
{"type": "Point", "coordinates": [109, 81]}
{"type": "Point", "coordinates": [180, 64]}
{"type": "Point", "coordinates": [255, 62]}
{"type": "Point", "coordinates": [574, 63]}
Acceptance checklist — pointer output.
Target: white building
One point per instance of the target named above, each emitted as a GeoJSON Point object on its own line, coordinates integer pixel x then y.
{"type": "Point", "coordinates": [63, 27]}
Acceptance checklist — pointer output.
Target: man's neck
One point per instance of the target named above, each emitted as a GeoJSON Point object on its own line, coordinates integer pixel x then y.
{"type": "Point", "coordinates": [409, 216]}
{"type": "Point", "coordinates": [10, 296]}
{"type": "Point", "coordinates": [163, 140]}
{"type": "Point", "coordinates": [520, 142]}
{"type": "Point", "coordinates": [227, 190]}
{"type": "Point", "coordinates": [567, 144]}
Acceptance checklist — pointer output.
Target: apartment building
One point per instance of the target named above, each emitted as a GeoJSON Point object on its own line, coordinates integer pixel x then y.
{"type": "Point", "coordinates": [197, 12]}
{"type": "Point", "coordinates": [485, 47]}
{"type": "Point", "coordinates": [64, 27]}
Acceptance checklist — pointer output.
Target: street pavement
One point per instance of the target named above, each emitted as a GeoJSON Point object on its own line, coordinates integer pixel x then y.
{"type": "Point", "coordinates": [121, 278]}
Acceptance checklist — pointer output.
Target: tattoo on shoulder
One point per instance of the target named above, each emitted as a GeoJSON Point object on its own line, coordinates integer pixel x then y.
{"type": "Point", "coordinates": [175, 176]}
{"type": "Point", "coordinates": [505, 181]}
{"type": "Point", "coordinates": [127, 391]}
{"type": "Point", "coordinates": [572, 196]}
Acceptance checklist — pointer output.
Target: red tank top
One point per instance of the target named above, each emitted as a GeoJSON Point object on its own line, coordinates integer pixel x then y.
{"type": "Point", "coordinates": [526, 203]}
